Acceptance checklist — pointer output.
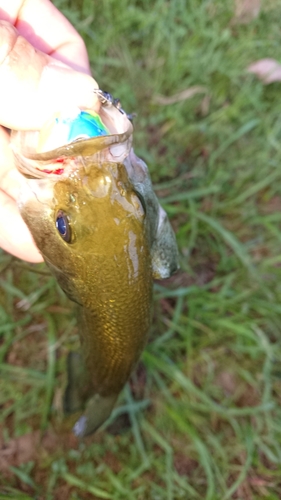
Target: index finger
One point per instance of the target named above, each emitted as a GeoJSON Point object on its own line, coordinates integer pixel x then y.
{"type": "Point", "coordinates": [34, 86]}
{"type": "Point", "coordinates": [45, 27]}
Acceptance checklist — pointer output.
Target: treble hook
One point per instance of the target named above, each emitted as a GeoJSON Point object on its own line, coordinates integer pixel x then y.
{"type": "Point", "coordinates": [108, 100]}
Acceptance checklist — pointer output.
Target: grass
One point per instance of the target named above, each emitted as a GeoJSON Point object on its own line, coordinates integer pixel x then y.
{"type": "Point", "coordinates": [201, 416]}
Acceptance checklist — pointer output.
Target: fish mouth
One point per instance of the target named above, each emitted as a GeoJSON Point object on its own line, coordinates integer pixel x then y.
{"type": "Point", "coordinates": [63, 160]}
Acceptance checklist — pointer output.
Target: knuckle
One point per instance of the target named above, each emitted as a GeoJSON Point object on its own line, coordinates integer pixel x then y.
{"type": "Point", "coordinates": [8, 37]}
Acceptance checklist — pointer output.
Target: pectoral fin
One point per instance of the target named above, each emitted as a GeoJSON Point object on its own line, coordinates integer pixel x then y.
{"type": "Point", "coordinates": [164, 249]}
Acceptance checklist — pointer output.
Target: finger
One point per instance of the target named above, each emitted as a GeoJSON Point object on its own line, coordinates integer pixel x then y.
{"type": "Point", "coordinates": [33, 20]}
{"type": "Point", "coordinates": [15, 237]}
{"type": "Point", "coordinates": [11, 180]}
{"type": "Point", "coordinates": [34, 86]}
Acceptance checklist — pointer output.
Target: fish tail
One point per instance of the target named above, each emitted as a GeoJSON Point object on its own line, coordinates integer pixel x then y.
{"type": "Point", "coordinates": [98, 408]}
{"type": "Point", "coordinates": [97, 412]}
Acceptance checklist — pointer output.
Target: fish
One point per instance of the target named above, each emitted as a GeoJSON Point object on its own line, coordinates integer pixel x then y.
{"type": "Point", "coordinates": [91, 209]}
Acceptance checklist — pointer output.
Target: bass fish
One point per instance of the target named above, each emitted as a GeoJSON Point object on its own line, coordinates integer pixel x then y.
{"type": "Point", "coordinates": [91, 209]}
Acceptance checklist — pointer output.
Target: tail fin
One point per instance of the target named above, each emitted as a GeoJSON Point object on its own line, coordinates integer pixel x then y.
{"type": "Point", "coordinates": [97, 411]}
{"type": "Point", "coordinates": [98, 408]}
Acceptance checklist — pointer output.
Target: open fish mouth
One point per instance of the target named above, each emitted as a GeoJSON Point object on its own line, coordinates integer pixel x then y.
{"type": "Point", "coordinates": [74, 136]}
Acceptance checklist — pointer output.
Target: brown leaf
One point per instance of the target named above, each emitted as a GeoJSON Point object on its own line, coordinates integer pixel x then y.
{"type": "Point", "coordinates": [271, 206]}
{"type": "Point", "coordinates": [267, 70]}
{"type": "Point", "coordinates": [180, 96]}
{"type": "Point", "coordinates": [246, 11]}
{"type": "Point", "coordinates": [184, 465]}
{"type": "Point", "coordinates": [227, 381]}
{"type": "Point", "coordinates": [19, 450]}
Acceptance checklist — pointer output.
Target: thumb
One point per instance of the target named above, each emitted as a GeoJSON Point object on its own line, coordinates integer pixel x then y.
{"type": "Point", "coordinates": [34, 85]}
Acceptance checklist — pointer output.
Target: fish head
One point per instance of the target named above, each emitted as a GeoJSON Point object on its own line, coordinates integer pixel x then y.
{"type": "Point", "coordinates": [87, 224]}
{"type": "Point", "coordinates": [90, 201]}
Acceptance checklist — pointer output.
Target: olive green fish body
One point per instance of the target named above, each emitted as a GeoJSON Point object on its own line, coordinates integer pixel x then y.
{"type": "Point", "coordinates": [106, 269]}
{"type": "Point", "coordinates": [117, 239]}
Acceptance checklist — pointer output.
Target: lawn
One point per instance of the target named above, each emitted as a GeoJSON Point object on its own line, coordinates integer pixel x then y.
{"type": "Point", "coordinates": [201, 416]}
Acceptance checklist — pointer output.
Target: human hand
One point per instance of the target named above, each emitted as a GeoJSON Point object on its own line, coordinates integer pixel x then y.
{"type": "Point", "coordinates": [43, 67]}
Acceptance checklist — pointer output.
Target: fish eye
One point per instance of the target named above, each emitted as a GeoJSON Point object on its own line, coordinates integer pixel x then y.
{"type": "Point", "coordinates": [63, 226]}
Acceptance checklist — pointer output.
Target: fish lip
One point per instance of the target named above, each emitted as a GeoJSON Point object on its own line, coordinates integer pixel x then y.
{"type": "Point", "coordinates": [114, 147]}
